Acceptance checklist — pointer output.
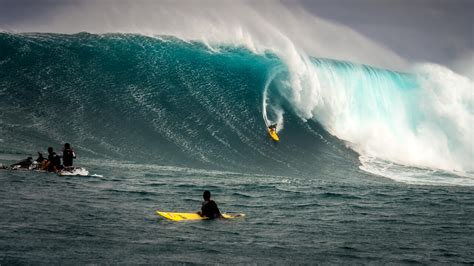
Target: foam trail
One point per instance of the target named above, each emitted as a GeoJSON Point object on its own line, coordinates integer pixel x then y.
{"type": "Point", "coordinates": [264, 108]}
{"type": "Point", "coordinates": [277, 111]}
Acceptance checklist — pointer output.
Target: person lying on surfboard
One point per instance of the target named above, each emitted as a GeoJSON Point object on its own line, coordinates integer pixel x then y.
{"type": "Point", "coordinates": [22, 164]}
{"type": "Point", "coordinates": [273, 127]}
{"type": "Point", "coordinates": [209, 207]}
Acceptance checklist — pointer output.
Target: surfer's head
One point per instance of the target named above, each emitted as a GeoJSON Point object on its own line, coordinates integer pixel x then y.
{"type": "Point", "coordinates": [67, 146]}
{"type": "Point", "coordinates": [50, 149]}
{"type": "Point", "coordinates": [206, 195]}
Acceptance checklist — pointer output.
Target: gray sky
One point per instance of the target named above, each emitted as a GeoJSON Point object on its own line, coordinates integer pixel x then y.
{"type": "Point", "coordinates": [439, 31]}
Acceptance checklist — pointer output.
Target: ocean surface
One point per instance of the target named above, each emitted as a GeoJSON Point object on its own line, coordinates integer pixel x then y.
{"type": "Point", "coordinates": [374, 166]}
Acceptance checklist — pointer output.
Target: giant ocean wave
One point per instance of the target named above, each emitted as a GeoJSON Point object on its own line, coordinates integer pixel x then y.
{"type": "Point", "coordinates": [163, 100]}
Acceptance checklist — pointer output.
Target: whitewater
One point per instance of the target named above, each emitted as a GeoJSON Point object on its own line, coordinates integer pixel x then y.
{"type": "Point", "coordinates": [397, 122]}
{"type": "Point", "coordinates": [374, 164]}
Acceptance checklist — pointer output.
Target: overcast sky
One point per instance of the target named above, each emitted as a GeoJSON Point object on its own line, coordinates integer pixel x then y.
{"type": "Point", "coordinates": [439, 31]}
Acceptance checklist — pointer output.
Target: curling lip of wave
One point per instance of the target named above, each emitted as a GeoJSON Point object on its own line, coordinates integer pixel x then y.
{"type": "Point", "coordinates": [286, 30]}
{"type": "Point", "coordinates": [150, 80]}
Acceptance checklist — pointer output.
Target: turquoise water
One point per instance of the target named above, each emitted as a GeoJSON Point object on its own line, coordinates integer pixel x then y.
{"type": "Point", "coordinates": [159, 120]}
{"type": "Point", "coordinates": [147, 100]}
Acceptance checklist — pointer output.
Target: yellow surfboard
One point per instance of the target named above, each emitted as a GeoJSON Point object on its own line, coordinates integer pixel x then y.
{"type": "Point", "coordinates": [273, 134]}
{"type": "Point", "coordinates": [190, 216]}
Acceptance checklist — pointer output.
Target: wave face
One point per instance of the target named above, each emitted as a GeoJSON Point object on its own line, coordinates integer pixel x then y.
{"type": "Point", "coordinates": [147, 100]}
{"type": "Point", "coordinates": [167, 101]}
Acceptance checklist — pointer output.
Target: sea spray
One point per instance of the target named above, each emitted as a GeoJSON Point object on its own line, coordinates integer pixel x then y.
{"type": "Point", "coordinates": [171, 102]}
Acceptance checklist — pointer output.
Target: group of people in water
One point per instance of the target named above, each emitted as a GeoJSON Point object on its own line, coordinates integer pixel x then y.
{"type": "Point", "coordinates": [52, 163]}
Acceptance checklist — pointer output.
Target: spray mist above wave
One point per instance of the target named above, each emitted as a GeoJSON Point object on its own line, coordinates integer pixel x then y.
{"type": "Point", "coordinates": [286, 30]}
{"type": "Point", "coordinates": [414, 120]}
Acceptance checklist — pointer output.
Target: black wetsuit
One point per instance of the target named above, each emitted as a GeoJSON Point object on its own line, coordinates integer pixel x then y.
{"type": "Point", "coordinates": [55, 162]}
{"type": "Point", "coordinates": [209, 209]}
{"type": "Point", "coordinates": [68, 155]}
{"type": "Point", "coordinates": [40, 158]}
{"type": "Point", "coordinates": [23, 164]}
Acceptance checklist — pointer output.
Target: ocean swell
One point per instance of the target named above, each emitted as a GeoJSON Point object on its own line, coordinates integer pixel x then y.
{"type": "Point", "coordinates": [167, 101]}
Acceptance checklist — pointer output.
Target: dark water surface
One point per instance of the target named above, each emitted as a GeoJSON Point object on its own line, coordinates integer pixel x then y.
{"type": "Point", "coordinates": [129, 103]}
{"type": "Point", "coordinates": [46, 219]}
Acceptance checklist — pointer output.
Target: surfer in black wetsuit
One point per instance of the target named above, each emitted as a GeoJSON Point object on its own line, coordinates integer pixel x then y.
{"type": "Point", "coordinates": [273, 127]}
{"type": "Point", "coordinates": [68, 155]}
{"type": "Point", "coordinates": [23, 164]}
{"type": "Point", "coordinates": [40, 158]}
{"type": "Point", "coordinates": [39, 163]}
{"type": "Point", "coordinates": [54, 161]}
{"type": "Point", "coordinates": [209, 207]}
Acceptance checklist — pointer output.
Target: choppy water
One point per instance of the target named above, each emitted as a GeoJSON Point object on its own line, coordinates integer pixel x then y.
{"type": "Point", "coordinates": [358, 218]}
{"type": "Point", "coordinates": [374, 166]}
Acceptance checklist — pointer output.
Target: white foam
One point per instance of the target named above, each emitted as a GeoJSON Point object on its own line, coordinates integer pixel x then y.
{"type": "Point", "coordinates": [76, 171]}
{"type": "Point", "coordinates": [276, 110]}
{"type": "Point", "coordinates": [415, 175]}
{"type": "Point", "coordinates": [442, 140]}
{"type": "Point", "coordinates": [426, 126]}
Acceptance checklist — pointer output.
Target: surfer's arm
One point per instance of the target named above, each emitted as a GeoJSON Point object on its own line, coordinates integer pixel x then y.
{"type": "Point", "coordinates": [217, 212]}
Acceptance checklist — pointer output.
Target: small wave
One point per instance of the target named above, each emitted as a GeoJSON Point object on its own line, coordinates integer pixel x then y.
{"type": "Point", "coordinates": [415, 175]}
{"type": "Point", "coordinates": [142, 193]}
{"type": "Point", "coordinates": [338, 195]}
